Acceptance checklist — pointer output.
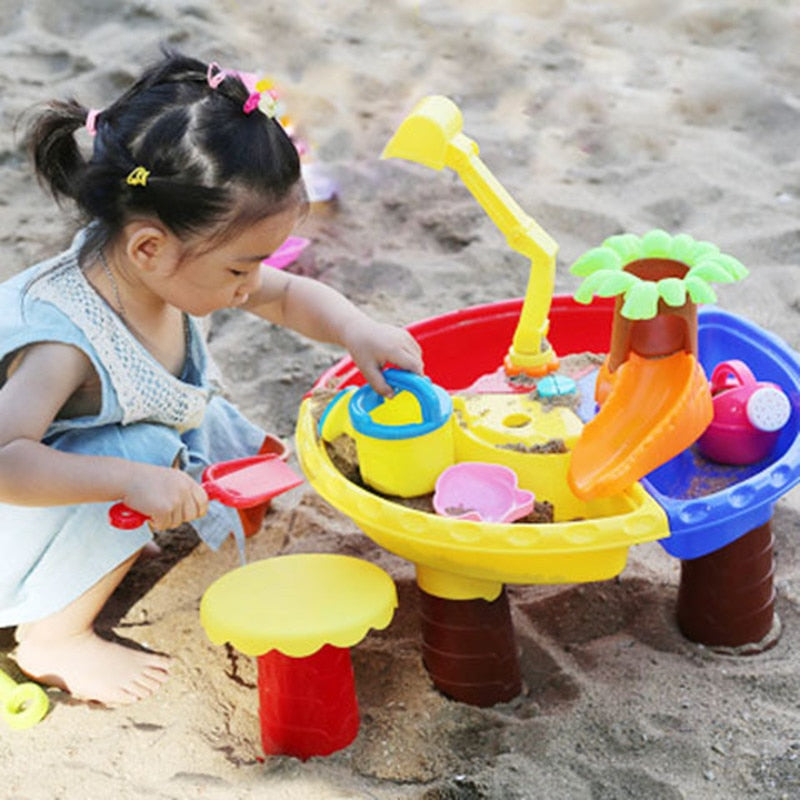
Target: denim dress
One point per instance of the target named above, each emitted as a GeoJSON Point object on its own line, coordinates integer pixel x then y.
{"type": "Point", "coordinates": [52, 555]}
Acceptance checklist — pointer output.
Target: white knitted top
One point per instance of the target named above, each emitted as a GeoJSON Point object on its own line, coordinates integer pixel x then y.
{"type": "Point", "coordinates": [146, 390]}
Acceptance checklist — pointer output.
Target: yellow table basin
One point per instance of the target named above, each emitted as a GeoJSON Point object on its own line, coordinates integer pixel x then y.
{"type": "Point", "coordinates": [461, 559]}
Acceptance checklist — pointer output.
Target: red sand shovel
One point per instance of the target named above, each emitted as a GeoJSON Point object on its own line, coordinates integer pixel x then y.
{"type": "Point", "coordinates": [241, 483]}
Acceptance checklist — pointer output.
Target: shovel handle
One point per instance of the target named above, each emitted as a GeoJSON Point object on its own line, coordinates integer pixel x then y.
{"type": "Point", "coordinates": [125, 518]}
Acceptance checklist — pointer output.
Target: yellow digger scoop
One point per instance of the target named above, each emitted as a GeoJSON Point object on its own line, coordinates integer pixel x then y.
{"type": "Point", "coordinates": [427, 133]}
{"type": "Point", "coordinates": [432, 135]}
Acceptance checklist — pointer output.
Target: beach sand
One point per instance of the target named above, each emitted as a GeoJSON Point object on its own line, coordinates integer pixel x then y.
{"type": "Point", "coordinates": [598, 118]}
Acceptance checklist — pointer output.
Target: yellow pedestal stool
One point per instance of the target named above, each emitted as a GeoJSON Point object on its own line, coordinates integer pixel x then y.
{"type": "Point", "coordinates": [300, 614]}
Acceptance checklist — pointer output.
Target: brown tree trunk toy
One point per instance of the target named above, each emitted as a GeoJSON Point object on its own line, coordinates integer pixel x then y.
{"type": "Point", "coordinates": [726, 598]}
{"type": "Point", "coordinates": [469, 648]}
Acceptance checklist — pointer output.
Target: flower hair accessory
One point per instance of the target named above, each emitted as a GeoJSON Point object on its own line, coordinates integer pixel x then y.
{"type": "Point", "coordinates": [138, 177]}
{"type": "Point", "coordinates": [264, 97]}
{"type": "Point", "coordinates": [263, 94]}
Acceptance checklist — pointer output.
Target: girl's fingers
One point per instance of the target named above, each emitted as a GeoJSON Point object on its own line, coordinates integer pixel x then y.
{"type": "Point", "coordinates": [374, 377]}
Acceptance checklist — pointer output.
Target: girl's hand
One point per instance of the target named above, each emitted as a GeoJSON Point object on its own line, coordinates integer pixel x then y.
{"type": "Point", "coordinates": [373, 344]}
{"type": "Point", "coordinates": [167, 496]}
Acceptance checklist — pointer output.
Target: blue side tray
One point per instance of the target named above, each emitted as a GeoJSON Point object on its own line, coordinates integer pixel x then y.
{"type": "Point", "coordinates": [710, 505]}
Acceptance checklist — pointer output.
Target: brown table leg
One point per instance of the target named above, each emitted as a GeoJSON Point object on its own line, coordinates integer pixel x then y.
{"type": "Point", "coordinates": [726, 598]}
{"type": "Point", "coordinates": [469, 648]}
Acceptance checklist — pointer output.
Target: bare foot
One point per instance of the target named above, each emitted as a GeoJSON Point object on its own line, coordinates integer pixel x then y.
{"type": "Point", "coordinates": [91, 668]}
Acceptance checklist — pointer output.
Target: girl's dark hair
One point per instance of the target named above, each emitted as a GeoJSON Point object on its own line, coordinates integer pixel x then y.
{"type": "Point", "coordinates": [212, 168]}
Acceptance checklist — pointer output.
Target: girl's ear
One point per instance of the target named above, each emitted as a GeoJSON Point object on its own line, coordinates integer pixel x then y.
{"type": "Point", "coordinates": [150, 247]}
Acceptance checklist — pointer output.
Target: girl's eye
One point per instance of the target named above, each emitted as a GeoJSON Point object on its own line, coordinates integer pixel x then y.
{"type": "Point", "coordinates": [237, 273]}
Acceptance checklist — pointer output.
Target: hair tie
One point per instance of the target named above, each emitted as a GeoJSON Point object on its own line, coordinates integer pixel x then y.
{"type": "Point", "coordinates": [215, 75]}
{"type": "Point", "coordinates": [138, 177]}
{"type": "Point", "coordinates": [91, 120]}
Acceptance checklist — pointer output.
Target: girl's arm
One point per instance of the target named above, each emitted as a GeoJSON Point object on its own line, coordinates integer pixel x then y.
{"type": "Point", "coordinates": [318, 311]}
{"type": "Point", "coordinates": [44, 377]}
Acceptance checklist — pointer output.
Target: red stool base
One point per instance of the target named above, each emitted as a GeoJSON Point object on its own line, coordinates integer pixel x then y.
{"type": "Point", "coordinates": [307, 706]}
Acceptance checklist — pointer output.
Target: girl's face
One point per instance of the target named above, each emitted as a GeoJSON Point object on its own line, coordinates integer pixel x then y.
{"type": "Point", "coordinates": [203, 281]}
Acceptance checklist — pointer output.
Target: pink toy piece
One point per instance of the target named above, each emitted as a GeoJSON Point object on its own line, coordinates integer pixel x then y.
{"type": "Point", "coordinates": [287, 253]}
{"type": "Point", "coordinates": [240, 483]}
{"type": "Point", "coordinates": [748, 415]}
{"type": "Point", "coordinates": [483, 492]}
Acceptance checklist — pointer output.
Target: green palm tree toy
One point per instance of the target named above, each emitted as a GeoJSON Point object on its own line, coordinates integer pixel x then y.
{"type": "Point", "coordinates": [658, 280]}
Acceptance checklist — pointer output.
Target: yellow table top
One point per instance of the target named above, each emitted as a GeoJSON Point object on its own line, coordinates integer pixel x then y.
{"type": "Point", "coordinates": [298, 603]}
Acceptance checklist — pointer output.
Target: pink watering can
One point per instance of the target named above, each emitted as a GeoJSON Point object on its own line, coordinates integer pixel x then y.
{"type": "Point", "coordinates": [748, 415]}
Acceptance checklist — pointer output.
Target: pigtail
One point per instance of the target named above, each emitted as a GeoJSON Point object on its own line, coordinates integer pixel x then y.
{"type": "Point", "coordinates": [101, 192]}
{"type": "Point", "coordinates": [56, 156]}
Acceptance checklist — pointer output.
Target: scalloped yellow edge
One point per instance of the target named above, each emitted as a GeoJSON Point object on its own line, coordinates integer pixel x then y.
{"type": "Point", "coordinates": [298, 603]}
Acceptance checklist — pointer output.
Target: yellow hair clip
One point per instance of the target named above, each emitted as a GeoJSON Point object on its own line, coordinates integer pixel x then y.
{"type": "Point", "coordinates": [138, 177]}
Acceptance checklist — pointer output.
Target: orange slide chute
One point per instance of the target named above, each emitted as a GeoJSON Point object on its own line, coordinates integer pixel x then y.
{"type": "Point", "coordinates": [656, 408]}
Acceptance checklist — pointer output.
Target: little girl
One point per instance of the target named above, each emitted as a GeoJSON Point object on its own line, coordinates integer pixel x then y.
{"type": "Point", "coordinates": [106, 382]}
